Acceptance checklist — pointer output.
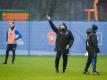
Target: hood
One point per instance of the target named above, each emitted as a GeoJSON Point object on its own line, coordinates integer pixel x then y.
{"type": "Point", "coordinates": [89, 31]}
{"type": "Point", "coordinates": [64, 25]}
{"type": "Point", "coordinates": [94, 27]}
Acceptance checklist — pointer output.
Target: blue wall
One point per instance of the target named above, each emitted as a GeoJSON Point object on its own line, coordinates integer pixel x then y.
{"type": "Point", "coordinates": [35, 37]}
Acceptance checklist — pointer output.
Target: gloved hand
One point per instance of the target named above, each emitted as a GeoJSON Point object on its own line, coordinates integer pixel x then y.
{"type": "Point", "coordinates": [97, 50]}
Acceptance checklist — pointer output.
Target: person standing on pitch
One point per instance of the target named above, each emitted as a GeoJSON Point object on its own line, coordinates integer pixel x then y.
{"type": "Point", "coordinates": [92, 48]}
{"type": "Point", "coordinates": [11, 36]}
{"type": "Point", "coordinates": [64, 41]}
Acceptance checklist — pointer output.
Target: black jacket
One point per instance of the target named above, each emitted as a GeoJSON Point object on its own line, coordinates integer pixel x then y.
{"type": "Point", "coordinates": [92, 46]}
{"type": "Point", "coordinates": [63, 38]}
{"type": "Point", "coordinates": [89, 31]}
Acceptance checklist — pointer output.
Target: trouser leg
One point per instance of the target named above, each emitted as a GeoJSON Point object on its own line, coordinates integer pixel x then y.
{"type": "Point", "coordinates": [65, 60]}
{"type": "Point", "coordinates": [13, 50]}
{"type": "Point", "coordinates": [89, 60]}
{"type": "Point", "coordinates": [13, 57]}
{"type": "Point", "coordinates": [94, 60]}
{"type": "Point", "coordinates": [6, 56]}
{"type": "Point", "coordinates": [58, 55]}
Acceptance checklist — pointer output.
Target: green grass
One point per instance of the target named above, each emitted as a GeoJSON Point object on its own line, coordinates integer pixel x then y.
{"type": "Point", "coordinates": [42, 68]}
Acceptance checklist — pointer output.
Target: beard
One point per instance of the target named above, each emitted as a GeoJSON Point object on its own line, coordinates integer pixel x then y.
{"type": "Point", "coordinates": [63, 29]}
{"type": "Point", "coordinates": [12, 28]}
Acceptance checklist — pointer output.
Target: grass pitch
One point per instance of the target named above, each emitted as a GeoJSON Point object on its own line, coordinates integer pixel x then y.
{"type": "Point", "coordinates": [42, 68]}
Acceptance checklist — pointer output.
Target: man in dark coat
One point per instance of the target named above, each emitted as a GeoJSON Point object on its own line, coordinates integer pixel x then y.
{"type": "Point", "coordinates": [92, 48]}
{"type": "Point", "coordinates": [64, 41]}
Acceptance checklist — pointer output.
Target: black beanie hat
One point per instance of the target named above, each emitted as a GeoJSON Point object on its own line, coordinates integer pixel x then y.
{"type": "Point", "coordinates": [94, 27]}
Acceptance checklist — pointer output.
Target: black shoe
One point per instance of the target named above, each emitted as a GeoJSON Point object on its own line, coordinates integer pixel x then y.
{"type": "Point", "coordinates": [5, 63]}
{"type": "Point", "coordinates": [63, 71]}
{"type": "Point", "coordinates": [96, 73]}
{"type": "Point", "coordinates": [57, 70]}
{"type": "Point", "coordinates": [86, 72]}
{"type": "Point", "coordinates": [12, 62]}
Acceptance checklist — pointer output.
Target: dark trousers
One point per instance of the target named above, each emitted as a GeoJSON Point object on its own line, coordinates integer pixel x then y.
{"type": "Point", "coordinates": [65, 59]}
{"type": "Point", "coordinates": [10, 47]}
{"type": "Point", "coordinates": [92, 60]}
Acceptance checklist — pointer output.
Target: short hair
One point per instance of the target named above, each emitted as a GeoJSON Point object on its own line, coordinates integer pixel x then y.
{"type": "Point", "coordinates": [12, 22]}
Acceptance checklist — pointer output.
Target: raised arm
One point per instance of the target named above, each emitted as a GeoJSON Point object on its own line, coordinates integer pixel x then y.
{"type": "Point", "coordinates": [54, 28]}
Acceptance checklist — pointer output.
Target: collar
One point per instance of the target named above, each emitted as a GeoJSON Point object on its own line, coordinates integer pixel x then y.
{"type": "Point", "coordinates": [12, 30]}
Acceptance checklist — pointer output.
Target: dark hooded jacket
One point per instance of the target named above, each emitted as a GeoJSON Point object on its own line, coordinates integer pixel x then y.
{"type": "Point", "coordinates": [63, 38]}
{"type": "Point", "coordinates": [92, 43]}
{"type": "Point", "coordinates": [89, 31]}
